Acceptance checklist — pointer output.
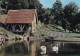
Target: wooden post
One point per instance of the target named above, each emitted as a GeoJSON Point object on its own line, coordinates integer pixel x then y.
{"type": "Point", "coordinates": [13, 27]}
{"type": "Point", "coordinates": [21, 27]}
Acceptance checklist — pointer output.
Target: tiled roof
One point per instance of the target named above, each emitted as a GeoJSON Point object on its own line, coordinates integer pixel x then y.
{"type": "Point", "coordinates": [20, 16]}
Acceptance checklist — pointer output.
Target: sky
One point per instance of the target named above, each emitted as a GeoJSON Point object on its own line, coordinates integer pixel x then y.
{"type": "Point", "coordinates": [49, 3]}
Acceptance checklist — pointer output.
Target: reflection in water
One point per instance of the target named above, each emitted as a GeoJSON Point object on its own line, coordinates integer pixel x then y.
{"type": "Point", "coordinates": [53, 48]}
{"type": "Point", "coordinates": [56, 48]}
{"type": "Point", "coordinates": [0, 47]}
{"type": "Point", "coordinates": [16, 48]}
{"type": "Point", "coordinates": [1, 44]}
{"type": "Point", "coordinates": [25, 48]}
{"type": "Point", "coordinates": [33, 48]}
{"type": "Point", "coordinates": [43, 49]}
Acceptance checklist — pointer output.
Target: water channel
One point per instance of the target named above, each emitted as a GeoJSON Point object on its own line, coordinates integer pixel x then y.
{"type": "Point", "coordinates": [51, 48]}
{"type": "Point", "coordinates": [57, 48]}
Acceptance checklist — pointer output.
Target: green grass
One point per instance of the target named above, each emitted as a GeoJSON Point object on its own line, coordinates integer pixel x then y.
{"type": "Point", "coordinates": [67, 33]}
{"type": "Point", "coordinates": [58, 29]}
{"type": "Point", "coordinates": [72, 34]}
{"type": "Point", "coordinates": [68, 39]}
{"type": "Point", "coordinates": [6, 31]}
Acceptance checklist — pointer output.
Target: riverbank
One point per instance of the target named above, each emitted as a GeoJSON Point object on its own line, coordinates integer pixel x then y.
{"type": "Point", "coordinates": [47, 38]}
{"type": "Point", "coordinates": [57, 33]}
{"type": "Point", "coordinates": [67, 39]}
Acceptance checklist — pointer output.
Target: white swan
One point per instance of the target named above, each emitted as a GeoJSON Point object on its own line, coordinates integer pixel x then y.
{"type": "Point", "coordinates": [43, 49]}
{"type": "Point", "coordinates": [55, 48]}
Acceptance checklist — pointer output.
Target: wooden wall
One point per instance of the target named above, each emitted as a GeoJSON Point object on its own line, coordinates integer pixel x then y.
{"type": "Point", "coordinates": [34, 25]}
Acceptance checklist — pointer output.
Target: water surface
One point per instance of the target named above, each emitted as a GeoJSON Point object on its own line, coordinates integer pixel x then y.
{"type": "Point", "coordinates": [33, 49]}
{"type": "Point", "coordinates": [64, 48]}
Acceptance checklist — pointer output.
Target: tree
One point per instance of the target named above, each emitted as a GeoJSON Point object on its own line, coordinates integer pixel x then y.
{"type": "Point", "coordinates": [0, 8]}
{"type": "Point", "coordinates": [57, 7]}
{"type": "Point", "coordinates": [0, 5]}
{"type": "Point", "coordinates": [78, 27]}
{"type": "Point", "coordinates": [57, 11]}
{"type": "Point", "coordinates": [47, 15]}
{"type": "Point", "coordinates": [70, 11]}
{"type": "Point", "coordinates": [21, 4]}
{"type": "Point", "coordinates": [77, 18]}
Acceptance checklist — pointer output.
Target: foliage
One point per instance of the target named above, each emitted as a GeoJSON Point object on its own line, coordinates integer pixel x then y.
{"type": "Point", "coordinates": [67, 17]}
{"type": "Point", "coordinates": [57, 10]}
{"type": "Point", "coordinates": [57, 7]}
{"type": "Point", "coordinates": [47, 16]}
{"type": "Point", "coordinates": [39, 23]}
{"type": "Point", "coordinates": [0, 4]}
{"type": "Point", "coordinates": [78, 27]}
{"type": "Point", "coordinates": [70, 12]}
{"type": "Point", "coordinates": [77, 18]}
{"type": "Point", "coordinates": [21, 4]}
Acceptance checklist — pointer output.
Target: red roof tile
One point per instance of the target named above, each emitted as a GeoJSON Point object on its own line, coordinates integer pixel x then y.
{"type": "Point", "coordinates": [20, 16]}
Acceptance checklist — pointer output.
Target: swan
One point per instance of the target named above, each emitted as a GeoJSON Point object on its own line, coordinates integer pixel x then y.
{"type": "Point", "coordinates": [43, 49]}
{"type": "Point", "coordinates": [55, 48]}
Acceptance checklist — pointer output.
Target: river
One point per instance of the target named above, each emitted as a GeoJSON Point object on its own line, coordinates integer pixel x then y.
{"type": "Point", "coordinates": [56, 48]}
{"type": "Point", "coordinates": [52, 48]}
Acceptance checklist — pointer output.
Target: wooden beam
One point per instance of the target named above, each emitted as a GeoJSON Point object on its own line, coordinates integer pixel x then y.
{"type": "Point", "coordinates": [21, 27]}
{"type": "Point", "coordinates": [13, 27]}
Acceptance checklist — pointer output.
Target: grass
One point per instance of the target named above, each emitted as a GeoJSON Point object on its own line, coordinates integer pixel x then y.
{"type": "Point", "coordinates": [6, 31]}
{"type": "Point", "coordinates": [67, 33]}
{"type": "Point", "coordinates": [58, 29]}
{"type": "Point", "coordinates": [68, 39]}
{"type": "Point", "coordinates": [72, 34]}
